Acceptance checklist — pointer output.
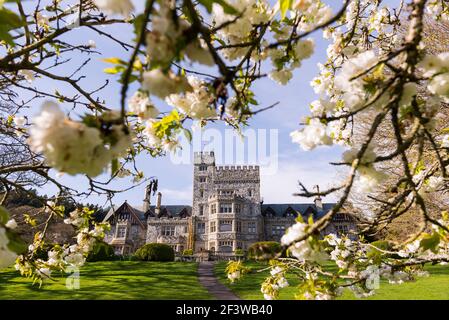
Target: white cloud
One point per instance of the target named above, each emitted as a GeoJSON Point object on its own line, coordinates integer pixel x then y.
{"type": "Point", "coordinates": [177, 196]}
{"type": "Point", "coordinates": [279, 188]}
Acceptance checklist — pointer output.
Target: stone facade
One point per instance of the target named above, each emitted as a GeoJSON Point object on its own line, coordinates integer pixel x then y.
{"type": "Point", "coordinates": [226, 214]}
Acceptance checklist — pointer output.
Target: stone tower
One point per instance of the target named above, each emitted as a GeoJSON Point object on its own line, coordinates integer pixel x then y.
{"type": "Point", "coordinates": [226, 205]}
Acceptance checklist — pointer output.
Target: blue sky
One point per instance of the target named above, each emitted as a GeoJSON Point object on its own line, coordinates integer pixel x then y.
{"type": "Point", "coordinates": [175, 180]}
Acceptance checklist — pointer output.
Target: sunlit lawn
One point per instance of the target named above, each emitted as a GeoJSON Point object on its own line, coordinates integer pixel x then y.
{"type": "Point", "coordinates": [436, 286]}
{"type": "Point", "coordinates": [113, 280]}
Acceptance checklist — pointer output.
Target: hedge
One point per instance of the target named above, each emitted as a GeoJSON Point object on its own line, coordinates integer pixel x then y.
{"type": "Point", "coordinates": [155, 252]}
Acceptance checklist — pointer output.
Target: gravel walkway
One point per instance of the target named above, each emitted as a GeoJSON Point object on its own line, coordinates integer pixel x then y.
{"type": "Point", "coordinates": [210, 282]}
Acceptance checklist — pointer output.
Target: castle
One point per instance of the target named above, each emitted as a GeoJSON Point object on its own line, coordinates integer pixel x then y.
{"type": "Point", "coordinates": [226, 214]}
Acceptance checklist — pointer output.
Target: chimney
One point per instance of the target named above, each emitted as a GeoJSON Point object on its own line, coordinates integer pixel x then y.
{"type": "Point", "coordinates": [318, 202]}
{"type": "Point", "coordinates": [157, 210]}
{"type": "Point", "coordinates": [147, 199]}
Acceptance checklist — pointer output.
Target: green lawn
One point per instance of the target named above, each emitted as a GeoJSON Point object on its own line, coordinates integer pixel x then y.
{"type": "Point", "coordinates": [436, 286]}
{"type": "Point", "coordinates": [113, 280]}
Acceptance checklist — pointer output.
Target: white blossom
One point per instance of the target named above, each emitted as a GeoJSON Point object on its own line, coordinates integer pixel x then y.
{"type": "Point", "coordinates": [123, 7]}
{"type": "Point", "coordinates": [312, 135]}
{"type": "Point", "coordinates": [162, 85]}
{"type": "Point", "coordinates": [141, 105]}
{"type": "Point", "coordinates": [11, 224]}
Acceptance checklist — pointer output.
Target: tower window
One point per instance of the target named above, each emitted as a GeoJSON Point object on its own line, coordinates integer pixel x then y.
{"type": "Point", "coordinates": [203, 179]}
{"type": "Point", "coordinates": [201, 209]}
{"type": "Point", "coordinates": [251, 227]}
{"type": "Point", "coordinates": [202, 168]}
{"type": "Point", "coordinates": [225, 207]}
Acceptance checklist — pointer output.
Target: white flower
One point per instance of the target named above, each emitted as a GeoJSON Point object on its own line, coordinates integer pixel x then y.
{"type": "Point", "coordinates": [282, 283]}
{"type": "Point", "coordinates": [141, 105]}
{"type": "Point", "coordinates": [312, 135]}
{"type": "Point", "coordinates": [123, 7]}
{"type": "Point", "coordinates": [445, 141]}
{"type": "Point", "coordinates": [353, 91]}
{"type": "Point", "coordinates": [439, 85]}
{"type": "Point", "coordinates": [268, 297]}
{"type": "Point", "coordinates": [27, 74]}
{"type": "Point", "coordinates": [68, 146]}
{"type": "Point", "coordinates": [195, 103]}
{"type": "Point", "coordinates": [434, 183]}
{"type": "Point", "coordinates": [197, 51]}
{"type": "Point", "coordinates": [7, 257]}
{"type": "Point", "coordinates": [162, 85]}
{"type": "Point", "coordinates": [293, 233]}
{"type": "Point", "coordinates": [433, 64]}
{"type": "Point", "coordinates": [304, 49]}
{"type": "Point", "coordinates": [276, 270]}
{"type": "Point", "coordinates": [75, 259]}
{"type": "Point", "coordinates": [91, 44]}
{"type": "Point", "coordinates": [282, 76]}
{"type": "Point", "coordinates": [44, 272]}
{"type": "Point", "coordinates": [11, 224]}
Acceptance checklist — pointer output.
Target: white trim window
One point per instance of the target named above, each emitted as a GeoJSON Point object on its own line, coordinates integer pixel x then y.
{"type": "Point", "coordinates": [168, 230]}
{"type": "Point", "coordinates": [121, 232]}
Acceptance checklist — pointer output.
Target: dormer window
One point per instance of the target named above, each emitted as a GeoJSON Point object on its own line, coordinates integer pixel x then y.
{"type": "Point", "coordinates": [121, 232]}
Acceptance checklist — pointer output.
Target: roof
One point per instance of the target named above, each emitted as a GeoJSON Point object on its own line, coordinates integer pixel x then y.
{"type": "Point", "coordinates": [169, 211]}
{"type": "Point", "coordinates": [281, 209]}
{"type": "Point", "coordinates": [126, 209]}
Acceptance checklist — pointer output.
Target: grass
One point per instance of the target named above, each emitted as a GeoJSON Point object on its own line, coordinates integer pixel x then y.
{"type": "Point", "coordinates": [434, 287]}
{"type": "Point", "coordinates": [117, 280]}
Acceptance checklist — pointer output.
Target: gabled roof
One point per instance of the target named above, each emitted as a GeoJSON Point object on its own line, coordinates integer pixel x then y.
{"type": "Point", "coordinates": [171, 211]}
{"type": "Point", "coordinates": [126, 209]}
{"type": "Point", "coordinates": [282, 209]}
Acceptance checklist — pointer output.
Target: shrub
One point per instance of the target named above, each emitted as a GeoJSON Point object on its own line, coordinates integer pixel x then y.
{"type": "Point", "coordinates": [239, 252]}
{"type": "Point", "coordinates": [101, 252]}
{"type": "Point", "coordinates": [264, 250]}
{"type": "Point", "coordinates": [187, 252]}
{"type": "Point", "coordinates": [155, 252]}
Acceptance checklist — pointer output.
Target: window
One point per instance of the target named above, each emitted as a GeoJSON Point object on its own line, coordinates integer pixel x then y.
{"type": "Point", "coordinates": [203, 168]}
{"type": "Point", "coordinates": [213, 226]}
{"type": "Point", "coordinates": [342, 229]}
{"type": "Point", "coordinates": [339, 217]}
{"type": "Point", "coordinates": [237, 208]}
{"type": "Point", "coordinates": [201, 227]}
{"type": "Point", "coordinates": [168, 230]}
{"type": "Point", "coordinates": [250, 192]}
{"type": "Point", "coordinates": [277, 230]}
{"type": "Point", "coordinates": [213, 208]}
{"type": "Point", "coordinates": [225, 246]}
{"type": "Point", "coordinates": [225, 207]}
{"type": "Point", "coordinates": [203, 179]}
{"type": "Point", "coordinates": [225, 225]}
{"type": "Point", "coordinates": [238, 226]}
{"type": "Point", "coordinates": [201, 210]}
{"type": "Point", "coordinates": [202, 193]}
{"type": "Point", "coordinates": [121, 232]}
{"type": "Point", "coordinates": [226, 192]}
{"type": "Point", "coordinates": [184, 229]}
{"type": "Point", "coordinates": [251, 227]}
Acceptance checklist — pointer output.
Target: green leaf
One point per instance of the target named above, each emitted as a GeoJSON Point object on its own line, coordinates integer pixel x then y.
{"type": "Point", "coordinates": [16, 243]}
{"type": "Point", "coordinates": [115, 166]}
{"type": "Point", "coordinates": [430, 242]}
{"type": "Point", "coordinates": [4, 215]}
{"type": "Point", "coordinates": [285, 5]}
